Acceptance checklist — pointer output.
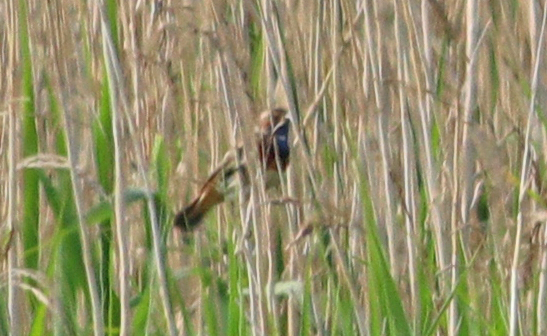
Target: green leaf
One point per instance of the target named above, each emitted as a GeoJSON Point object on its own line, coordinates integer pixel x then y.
{"type": "Point", "coordinates": [31, 192]}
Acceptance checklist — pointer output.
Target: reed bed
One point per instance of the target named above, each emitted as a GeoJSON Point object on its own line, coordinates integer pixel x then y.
{"type": "Point", "coordinates": [414, 203]}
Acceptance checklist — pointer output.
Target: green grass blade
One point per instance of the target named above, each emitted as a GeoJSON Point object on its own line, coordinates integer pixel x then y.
{"type": "Point", "coordinates": [142, 311]}
{"type": "Point", "coordinates": [31, 192]}
{"type": "Point", "coordinates": [103, 141]}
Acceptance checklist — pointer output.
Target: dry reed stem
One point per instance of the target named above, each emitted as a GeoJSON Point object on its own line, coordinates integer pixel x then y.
{"type": "Point", "coordinates": [388, 99]}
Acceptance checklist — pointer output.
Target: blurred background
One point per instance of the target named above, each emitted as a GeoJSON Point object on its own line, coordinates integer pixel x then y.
{"type": "Point", "coordinates": [414, 203]}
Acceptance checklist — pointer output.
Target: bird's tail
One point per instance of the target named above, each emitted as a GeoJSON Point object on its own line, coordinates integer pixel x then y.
{"type": "Point", "coordinates": [221, 183]}
{"type": "Point", "coordinates": [190, 217]}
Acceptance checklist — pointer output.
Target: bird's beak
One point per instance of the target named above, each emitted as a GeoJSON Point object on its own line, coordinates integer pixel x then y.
{"type": "Point", "coordinates": [288, 119]}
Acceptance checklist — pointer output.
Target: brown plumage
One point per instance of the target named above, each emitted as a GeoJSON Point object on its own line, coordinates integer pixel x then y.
{"type": "Point", "coordinates": [211, 193]}
{"type": "Point", "coordinates": [273, 149]}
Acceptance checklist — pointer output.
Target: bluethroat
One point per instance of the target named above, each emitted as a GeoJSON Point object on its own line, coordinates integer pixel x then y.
{"type": "Point", "coordinates": [273, 151]}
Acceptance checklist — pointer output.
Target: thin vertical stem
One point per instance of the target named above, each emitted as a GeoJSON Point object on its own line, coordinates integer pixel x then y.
{"type": "Point", "coordinates": [410, 216]}
{"type": "Point", "coordinates": [468, 152]}
{"type": "Point", "coordinates": [381, 100]}
{"type": "Point", "coordinates": [524, 177]}
{"type": "Point", "coordinates": [431, 166]}
{"type": "Point", "coordinates": [542, 292]}
{"type": "Point", "coordinates": [14, 296]}
{"type": "Point", "coordinates": [119, 207]}
{"type": "Point", "coordinates": [118, 99]}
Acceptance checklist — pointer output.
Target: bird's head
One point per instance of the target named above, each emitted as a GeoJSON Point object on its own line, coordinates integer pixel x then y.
{"type": "Point", "coordinates": [274, 145]}
{"type": "Point", "coordinates": [275, 122]}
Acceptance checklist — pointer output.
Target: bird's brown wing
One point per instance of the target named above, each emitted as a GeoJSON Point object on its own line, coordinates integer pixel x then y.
{"type": "Point", "coordinates": [222, 182]}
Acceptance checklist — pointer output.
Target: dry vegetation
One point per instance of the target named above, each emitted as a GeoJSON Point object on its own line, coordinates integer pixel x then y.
{"type": "Point", "coordinates": [414, 203]}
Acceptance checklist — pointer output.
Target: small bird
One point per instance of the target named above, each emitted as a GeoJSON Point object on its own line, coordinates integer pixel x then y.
{"type": "Point", "coordinates": [274, 153]}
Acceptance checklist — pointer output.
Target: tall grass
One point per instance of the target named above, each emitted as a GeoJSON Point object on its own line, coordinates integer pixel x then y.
{"type": "Point", "coordinates": [413, 204]}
